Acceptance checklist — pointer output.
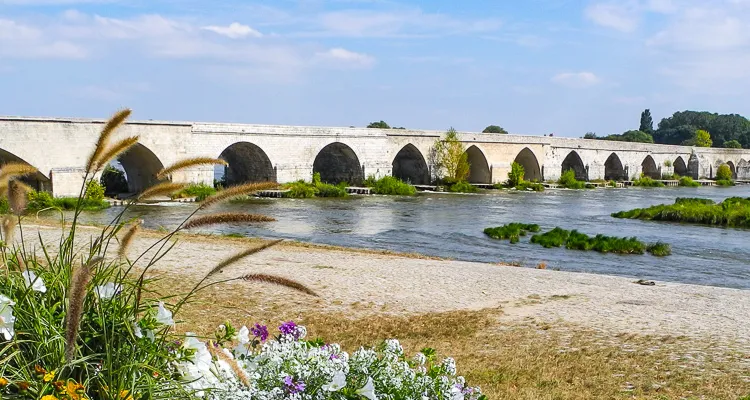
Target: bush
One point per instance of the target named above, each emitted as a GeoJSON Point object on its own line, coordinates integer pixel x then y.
{"type": "Point", "coordinates": [724, 173]}
{"type": "Point", "coordinates": [526, 185]}
{"type": "Point", "coordinates": [660, 249]}
{"type": "Point", "coordinates": [646, 181]}
{"type": "Point", "coordinates": [39, 201]}
{"type": "Point", "coordinates": [688, 182]}
{"type": "Point", "coordinates": [569, 181]}
{"type": "Point", "coordinates": [515, 176]}
{"type": "Point", "coordinates": [198, 190]}
{"type": "Point", "coordinates": [328, 190]}
{"type": "Point", "coordinates": [299, 190]}
{"type": "Point", "coordinates": [732, 212]}
{"type": "Point", "coordinates": [512, 231]}
{"type": "Point", "coordinates": [304, 190]}
{"type": "Point", "coordinates": [462, 187]}
{"type": "Point", "coordinates": [390, 185]}
{"type": "Point", "coordinates": [113, 181]}
{"type": "Point", "coordinates": [94, 191]}
{"type": "Point", "coordinates": [725, 182]}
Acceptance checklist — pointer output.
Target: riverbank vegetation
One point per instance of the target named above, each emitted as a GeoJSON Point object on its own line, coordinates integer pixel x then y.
{"type": "Point", "coordinates": [451, 163]}
{"type": "Point", "coordinates": [389, 185]}
{"type": "Point", "coordinates": [92, 200]}
{"type": "Point", "coordinates": [575, 240]}
{"type": "Point", "coordinates": [516, 180]}
{"type": "Point", "coordinates": [724, 176]}
{"type": "Point", "coordinates": [306, 190]}
{"type": "Point", "coordinates": [198, 190]}
{"type": "Point", "coordinates": [512, 231]}
{"type": "Point", "coordinates": [687, 181]}
{"type": "Point", "coordinates": [648, 182]}
{"type": "Point", "coordinates": [732, 212]}
{"type": "Point", "coordinates": [568, 180]}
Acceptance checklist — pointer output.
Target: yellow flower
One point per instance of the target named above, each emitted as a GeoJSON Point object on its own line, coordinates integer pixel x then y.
{"type": "Point", "coordinates": [124, 395]}
{"type": "Point", "coordinates": [74, 390]}
{"type": "Point", "coordinates": [49, 397]}
{"type": "Point", "coordinates": [49, 376]}
{"type": "Point", "coordinates": [3, 383]}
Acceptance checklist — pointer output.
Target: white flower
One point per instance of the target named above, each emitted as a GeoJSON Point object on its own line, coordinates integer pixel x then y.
{"type": "Point", "coordinates": [150, 335]}
{"type": "Point", "coordinates": [456, 394]}
{"type": "Point", "coordinates": [243, 340]}
{"type": "Point", "coordinates": [108, 290]}
{"type": "Point", "coordinates": [137, 330]}
{"type": "Point", "coordinates": [164, 316]}
{"type": "Point", "coordinates": [449, 365]}
{"type": "Point", "coordinates": [368, 390]}
{"type": "Point", "coordinates": [420, 358]}
{"type": "Point", "coordinates": [337, 383]}
{"type": "Point", "coordinates": [202, 358]}
{"type": "Point", "coordinates": [7, 320]}
{"type": "Point", "coordinates": [32, 280]}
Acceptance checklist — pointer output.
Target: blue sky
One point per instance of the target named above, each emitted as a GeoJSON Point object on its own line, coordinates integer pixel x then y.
{"type": "Point", "coordinates": [531, 66]}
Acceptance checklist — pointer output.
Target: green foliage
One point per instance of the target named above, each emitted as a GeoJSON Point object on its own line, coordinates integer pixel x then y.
{"type": "Point", "coordinates": [495, 129]}
{"type": "Point", "coordinates": [647, 123]}
{"type": "Point", "coordinates": [668, 163]}
{"type": "Point", "coordinates": [645, 181]}
{"type": "Point", "coordinates": [724, 173]}
{"type": "Point", "coordinates": [94, 191]}
{"type": "Point", "coordinates": [198, 190]}
{"type": "Point", "coordinates": [114, 181]}
{"type": "Point", "coordinates": [512, 231]}
{"type": "Point", "coordinates": [630, 136]}
{"type": "Point", "coordinates": [299, 190]}
{"type": "Point", "coordinates": [4, 205]}
{"type": "Point", "coordinates": [44, 201]}
{"type": "Point", "coordinates": [305, 190]}
{"type": "Point", "coordinates": [575, 240]}
{"type": "Point", "coordinates": [569, 181]}
{"type": "Point", "coordinates": [701, 138]}
{"type": "Point", "coordinates": [462, 187]}
{"type": "Point", "coordinates": [732, 212]}
{"type": "Point", "coordinates": [450, 158]}
{"type": "Point", "coordinates": [515, 176]}
{"type": "Point", "coordinates": [682, 126]}
{"type": "Point", "coordinates": [533, 186]}
{"type": "Point", "coordinates": [732, 144]}
{"type": "Point", "coordinates": [590, 135]}
{"type": "Point", "coordinates": [328, 190]}
{"type": "Point", "coordinates": [688, 182]}
{"type": "Point", "coordinates": [725, 182]}
{"type": "Point", "coordinates": [379, 125]}
{"type": "Point", "coordinates": [390, 185]}
{"type": "Point", "coordinates": [660, 249]}
{"type": "Point", "coordinates": [554, 238]}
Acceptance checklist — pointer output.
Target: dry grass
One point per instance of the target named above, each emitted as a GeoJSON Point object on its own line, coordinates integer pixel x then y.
{"type": "Point", "coordinates": [508, 360]}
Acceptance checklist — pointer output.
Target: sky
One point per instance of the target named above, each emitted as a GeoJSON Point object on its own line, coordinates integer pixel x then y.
{"type": "Point", "coordinates": [531, 66]}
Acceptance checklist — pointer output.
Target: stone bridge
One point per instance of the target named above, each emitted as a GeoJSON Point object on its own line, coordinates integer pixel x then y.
{"type": "Point", "coordinates": [59, 147]}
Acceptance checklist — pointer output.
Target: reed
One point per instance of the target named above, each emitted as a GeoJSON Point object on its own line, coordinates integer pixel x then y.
{"type": "Point", "coordinates": [188, 163]}
{"type": "Point", "coordinates": [103, 141]}
{"type": "Point", "coordinates": [225, 218]}
{"type": "Point", "coordinates": [236, 191]}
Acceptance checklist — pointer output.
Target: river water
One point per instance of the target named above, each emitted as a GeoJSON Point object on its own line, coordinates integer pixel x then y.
{"type": "Point", "coordinates": [451, 225]}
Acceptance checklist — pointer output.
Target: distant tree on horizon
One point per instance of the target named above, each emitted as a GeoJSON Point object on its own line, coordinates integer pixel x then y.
{"type": "Point", "coordinates": [681, 127]}
{"type": "Point", "coordinates": [379, 125]}
{"type": "Point", "coordinates": [590, 135]}
{"type": "Point", "coordinates": [495, 129]}
{"type": "Point", "coordinates": [630, 136]}
{"type": "Point", "coordinates": [647, 123]}
{"type": "Point", "coordinates": [732, 144]}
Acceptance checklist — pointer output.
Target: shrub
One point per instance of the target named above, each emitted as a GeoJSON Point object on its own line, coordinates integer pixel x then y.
{"type": "Point", "coordinates": [526, 185]}
{"type": "Point", "coordinates": [569, 181]}
{"type": "Point", "coordinates": [725, 182]}
{"type": "Point", "coordinates": [462, 187]}
{"type": "Point", "coordinates": [515, 176]}
{"type": "Point", "coordinates": [328, 190]}
{"type": "Point", "coordinates": [304, 190]}
{"type": "Point", "coordinates": [645, 181]}
{"type": "Point", "coordinates": [512, 231]}
{"type": "Point", "coordinates": [198, 190]}
{"type": "Point", "coordinates": [660, 249]}
{"type": "Point", "coordinates": [94, 191]}
{"type": "Point", "coordinates": [39, 201]}
{"type": "Point", "coordinates": [299, 190]}
{"type": "Point", "coordinates": [390, 185]}
{"type": "Point", "coordinates": [724, 173]}
{"type": "Point", "coordinates": [688, 182]}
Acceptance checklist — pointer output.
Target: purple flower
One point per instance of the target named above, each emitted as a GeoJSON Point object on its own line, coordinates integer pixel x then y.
{"type": "Point", "coordinates": [288, 328]}
{"type": "Point", "coordinates": [260, 331]}
{"type": "Point", "coordinates": [293, 387]}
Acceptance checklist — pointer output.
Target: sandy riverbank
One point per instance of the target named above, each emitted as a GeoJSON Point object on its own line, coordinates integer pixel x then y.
{"type": "Point", "coordinates": [363, 283]}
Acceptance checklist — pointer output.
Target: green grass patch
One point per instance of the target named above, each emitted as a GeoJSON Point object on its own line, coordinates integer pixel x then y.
{"type": "Point", "coordinates": [554, 238]}
{"type": "Point", "coordinates": [687, 181]}
{"type": "Point", "coordinates": [575, 240]}
{"type": "Point", "coordinates": [568, 180]}
{"type": "Point", "coordinates": [660, 249]}
{"type": "Point", "coordinates": [198, 190]}
{"type": "Point", "coordinates": [645, 181]}
{"type": "Point", "coordinates": [512, 231]}
{"type": "Point", "coordinates": [462, 187]}
{"type": "Point", "coordinates": [390, 185]}
{"type": "Point", "coordinates": [43, 200]}
{"type": "Point", "coordinates": [725, 182]}
{"type": "Point", "coordinates": [307, 190]}
{"type": "Point", "coordinates": [732, 212]}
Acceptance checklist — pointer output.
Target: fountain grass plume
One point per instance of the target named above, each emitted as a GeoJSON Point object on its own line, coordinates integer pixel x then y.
{"type": "Point", "coordinates": [238, 372]}
{"type": "Point", "coordinates": [224, 218]}
{"type": "Point", "coordinates": [76, 296]}
{"type": "Point", "coordinates": [14, 170]}
{"type": "Point", "coordinates": [236, 191]}
{"type": "Point", "coordinates": [9, 228]}
{"type": "Point", "coordinates": [187, 163]}
{"type": "Point", "coordinates": [18, 196]}
{"type": "Point", "coordinates": [279, 281]}
{"type": "Point", "coordinates": [115, 150]}
{"type": "Point", "coordinates": [127, 239]}
{"type": "Point", "coordinates": [103, 141]}
{"type": "Point", "coordinates": [162, 189]}
{"type": "Point", "coordinates": [239, 256]}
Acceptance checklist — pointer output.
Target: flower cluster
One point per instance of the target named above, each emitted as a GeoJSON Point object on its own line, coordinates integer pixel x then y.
{"type": "Point", "coordinates": [289, 367]}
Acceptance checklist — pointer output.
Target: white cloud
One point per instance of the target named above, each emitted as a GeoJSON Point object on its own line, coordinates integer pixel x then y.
{"type": "Point", "coordinates": [621, 16]}
{"type": "Point", "coordinates": [234, 31]}
{"type": "Point", "coordinates": [576, 79]}
{"type": "Point", "coordinates": [342, 57]}
{"type": "Point", "coordinates": [22, 41]}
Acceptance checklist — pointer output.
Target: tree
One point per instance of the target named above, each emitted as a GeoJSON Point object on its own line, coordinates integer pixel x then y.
{"type": "Point", "coordinates": [647, 123]}
{"type": "Point", "coordinates": [724, 173]}
{"type": "Point", "coordinates": [590, 135]}
{"type": "Point", "coordinates": [681, 126]}
{"type": "Point", "coordinates": [379, 125]}
{"type": "Point", "coordinates": [700, 138]}
{"type": "Point", "coordinates": [495, 129]}
{"type": "Point", "coordinates": [732, 144]}
{"type": "Point", "coordinates": [515, 176]}
{"type": "Point", "coordinates": [450, 159]}
{"type": "Point", "coordinates": [630, 136]}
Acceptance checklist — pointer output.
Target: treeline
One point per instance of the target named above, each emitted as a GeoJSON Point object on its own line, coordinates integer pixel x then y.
{"type": "Point", "coordinates": [689, 128]}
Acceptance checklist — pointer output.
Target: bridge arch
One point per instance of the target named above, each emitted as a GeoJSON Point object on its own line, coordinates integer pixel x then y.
{"type": "Point", "coordinates": [338, 163]}
{"type": "Point", "coordinates": [694, 166]}
{"type": "Point", "coordinates": [247, 163]}
{"type": "Point", "coordinates": [37, 181]}
{"type": "Point", "coordinates": [527, 159]}
{"type": "Point", "coordinates": [733, 168]}
{"type": "Point", "coordinates": [141, 166]}
{"type": "Point", "coordinates": [573, 161]}
{"type": "Point", "coordinates": [613, 169]}
{"type": "Point", "coordinates": [649, 168]}
{"type": "Point", "coordinates": [680, 168]}
{"type": "Point", "coordinates": [410, 166]}
{"type": "Point", "coordinates": [479, 168]}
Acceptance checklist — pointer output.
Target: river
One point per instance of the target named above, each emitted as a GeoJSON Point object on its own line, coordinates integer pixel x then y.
{"type": "Point", "coordinates": [451, 225]}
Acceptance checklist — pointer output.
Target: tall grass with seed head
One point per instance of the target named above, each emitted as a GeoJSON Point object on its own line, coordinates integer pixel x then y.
{"type": "Point", "coordinates": [81, 311]}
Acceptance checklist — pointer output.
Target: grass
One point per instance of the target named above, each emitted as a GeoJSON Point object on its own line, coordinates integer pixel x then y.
{"type": "Point", "coordinates": [732, 212]}
{"type": "Point", "coordinates": [462, 187]}
{"type": "Point", "coordinates": [306, 190]}
{"type": "Point", "coordinates": [390, 185]}
{"type": "Point", "coordinates": [725, 182]}
{"type": "Point", "coordinates": [645, 181]}
{"type": "Point", "coordinates": [509, 360]}
{"type": "Point", "coordinates": [512, 231]}
{"type": "Point", "coordinates": [198, 190]}
{"type": "Point", "coordinates": [42, 201]}
{"type": "Point", "coordinates": [568, 180]}
{"type": "Point", "coordinates": [687, 181]}
{"type": "Point", "coordinates": [575, 240]}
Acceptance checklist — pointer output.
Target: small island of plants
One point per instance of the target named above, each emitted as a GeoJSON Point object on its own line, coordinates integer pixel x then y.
{"type": "Point", "coordinates": [575, 240]}
{"type": "Point", "coordinates": [512, 231]}
{"type": "Point", "coordinates": [390, 185]}
{"type": "Point", "coordinates": [732, 212]}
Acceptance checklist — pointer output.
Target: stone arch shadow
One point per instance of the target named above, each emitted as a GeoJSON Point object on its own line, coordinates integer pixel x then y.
{"type": "Point", "coordinates": [38, 181]}
{"type": "Point", "coordinates": [679, 166]}
{"type": "Point", "coordinates": [573, 161]}
{"type": "Point", "coordinates": [614, 170]}
{"type": "Point", "coordinates": [649, 168]}
{"type": "Point", "coordinates": [527, 159]}
{"type": "Point", "coordinates": [409, 165]}
{"type": "Point", "coordinates": [479, 168]}
{"type": "Point", "coordinates": [141, 166]}
{"type": "Point", "coordinates": [338, 163]}
{"type": "Point", "coordinates": [733, 168]}
{"type": "Point", "coordinates": [247, 162]}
